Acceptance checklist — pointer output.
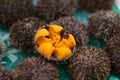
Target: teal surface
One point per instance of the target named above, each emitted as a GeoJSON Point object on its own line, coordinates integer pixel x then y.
{"type": "Point", "coordinates": [12, 56]}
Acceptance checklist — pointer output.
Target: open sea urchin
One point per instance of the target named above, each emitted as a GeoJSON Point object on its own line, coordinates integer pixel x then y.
{"type": "Point", "coordinates": [113, 51]}
{"type": "Point", "coordinates": [22, 33]}
{"type": "Point", "coordinates": [104, 24]}
{"type": "Point", "coordinates": [54, 43]}
{"type": "Point", "coordinates": [89, 63]}
{"type": "Point", "coordinates": [75, 27]}
{"type": "Point", "coordinates": [94, 5]}
{"type": "Point", "coordinates": [54, 9]}
{"type": "Point", "coordinates": [4, 74]}
{"type": "Point", "coordinates": [13, 10]}
{"type": "Point", "coordinates": [35, 69]}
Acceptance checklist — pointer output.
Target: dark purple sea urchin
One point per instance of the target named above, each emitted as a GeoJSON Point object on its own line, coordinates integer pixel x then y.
{"type": "Point", "coordinates": [75, 27]}
{"type": "Point", "coordinates": [22, 33]}
{"type": "Point", "coordinates": [113, 51]}
{"type": "Point", "coordinates": [54, 9]}
{"type": "Point", "coordinates": [94, 5]}
{"type": "Point", "coordinates": [4, 74]}
{"type": "Point", "coordinates": [35, 69]}
{"type": "Point", "coordinates": [104, 24]}
{"type": "Point", "coordinates": [13, 10]}
{"type": "Point", "coordinates": [89, 63]}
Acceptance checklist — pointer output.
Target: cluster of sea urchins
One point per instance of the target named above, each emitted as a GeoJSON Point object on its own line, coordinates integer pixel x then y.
{"type": "Point", "coordinates": [94, 5]}
{"type": "Point", "coordinates": [22, 33]}
{"type": "Point", "coordinates": [35, 69]}
{"type": "Point", "coordinates": [54, 9]}
{"type": "Point", "coordinates": [29, 28]}
{"type": "Point", "coordinates": [13, 10]}
{"type": "Point", "coordinates": [104, 24]}
{"type": "Point", "coordinates": [4, 74]}
{"type": "Point", "coordinates": [89, 63]}
{"type": "Point", "coordinates": [113, 51]}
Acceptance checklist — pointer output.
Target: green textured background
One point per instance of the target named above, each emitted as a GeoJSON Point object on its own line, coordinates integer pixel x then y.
{"type": "Point", "coordinates": [12, 56]}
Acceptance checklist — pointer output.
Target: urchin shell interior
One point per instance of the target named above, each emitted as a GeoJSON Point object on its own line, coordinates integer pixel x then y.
{"type": "Point", "coordinates": [53, 42]}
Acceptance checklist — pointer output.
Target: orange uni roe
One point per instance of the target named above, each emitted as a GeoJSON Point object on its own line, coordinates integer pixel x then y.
{"type": "Point", "coordinates": [51, 44]}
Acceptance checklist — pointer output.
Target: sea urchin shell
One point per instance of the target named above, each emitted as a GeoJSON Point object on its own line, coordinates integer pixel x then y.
{"type": "Point", "coordinates": [89, 63]}
{"type": "Point", "coordinates": [35, 69]}
{"type": "Point", "coordinates": [22, 33]}
{"type": "Point", "coordinates": [54, 9]}
{"type": "Point", "coordinates": [13, 10]}
{"type": "Point", "coordinates": [104, 24]}
{"type": "Point", "coordinates": [113, 51]}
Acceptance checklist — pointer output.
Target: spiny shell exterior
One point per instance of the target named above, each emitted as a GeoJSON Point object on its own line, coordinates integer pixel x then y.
{"type": "Point", "coordinates": [113, 51]}
{"type": "Point", "coordinates": [74, 27]}
{"type": "Point", "coordinates": [35, 69]}
{"type": "Point", "coordinates": [104, 24]}
{"type": "Point", "coordinates": [13, 10]}
{"type": "Point", "coordinates": [94, 5]}
{"type": "Point", "coordinates": [22, 33]}
{"type": "Point", "coordinates": [4, 74]}
{"type": "Point", "coordinates": [54, 9]}
{"type": "Point", "coordinates": [89, 63]}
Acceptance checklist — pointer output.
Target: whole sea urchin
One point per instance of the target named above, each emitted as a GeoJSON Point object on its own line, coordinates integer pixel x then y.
{"type": "Point", "coordinates": [35, 69]}
{"type": "Point", "coordinates": [75, 27]}
{"type": "Point", "coordinates": [113, 51]}
{"type": "Point", "coordinates": [104, 24]}
{"type": "Point", "coordinates": [4, 74]}
{"type": "Point", "coordinates": [13, 10]}
{"type": "Point", "coordinates": [22, 33]}
{"type": "Point", "coordinates": [54, 9]}
{"type": "Point", "coordinates": [89, 63]}
{"type": "Point", "coordinates": [94, 5]}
